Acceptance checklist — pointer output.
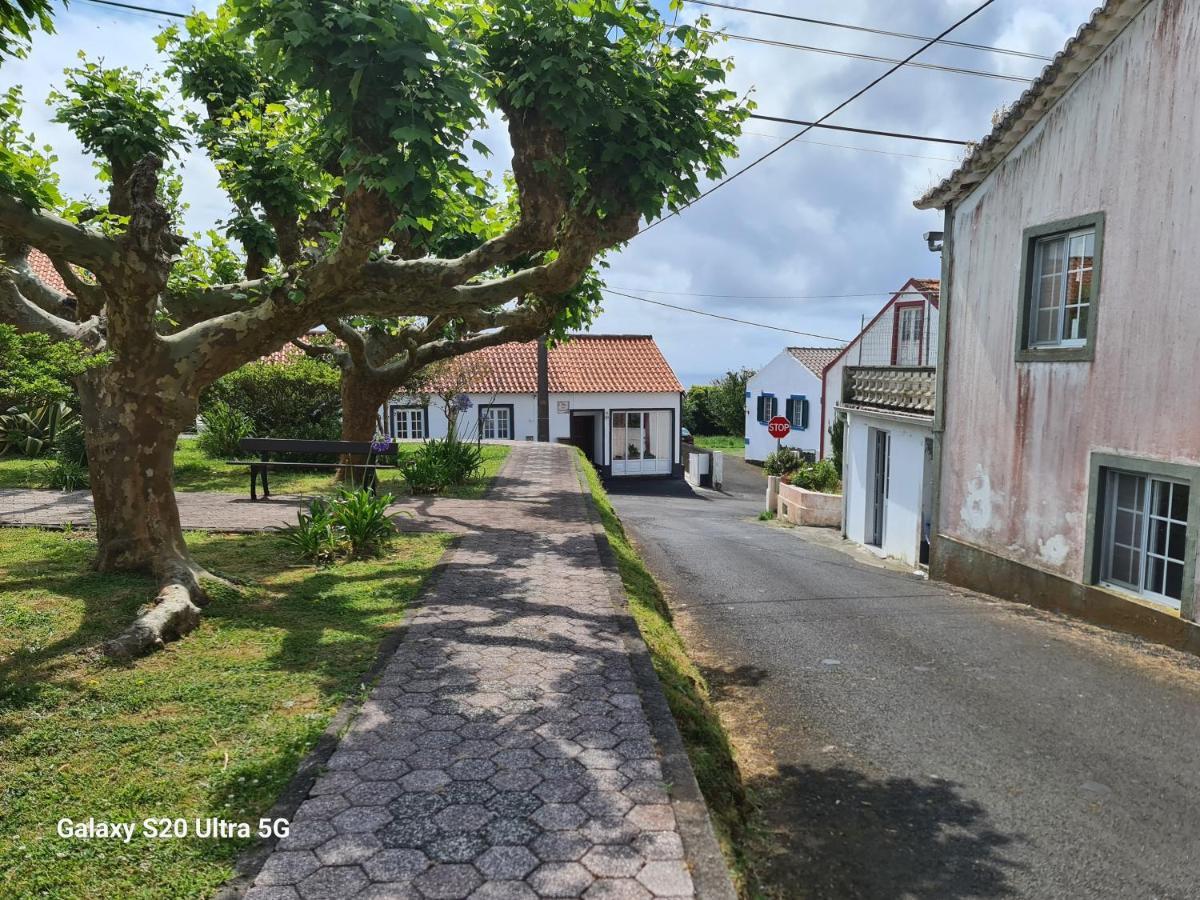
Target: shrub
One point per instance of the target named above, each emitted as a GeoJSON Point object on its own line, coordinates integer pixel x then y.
{"type": "Point", "coordinates": [314, 536]}
{"type": "Point", "coordinates": [782, 462]}
{"type": "Point", "coordinates": [299, 398]}
{"type": "Point", "coordinates": [65, 474]}
{"type": "Point", "coordinates": [354, 522]}
{"type": "Point", "coordinates": [35, 370]}
{"type": "Point", "coordinates": [362, 521]}
{"type": "Point", "coordinates": [438, 464]}
{"type": "Point", "coordinates": [33, 431]}
{"type": "Point", "coordinates": [819, 476]}
{"type": "Point", "coordinates": [70, 446]}
{"type": "Point", "coordinates": [224, 426]}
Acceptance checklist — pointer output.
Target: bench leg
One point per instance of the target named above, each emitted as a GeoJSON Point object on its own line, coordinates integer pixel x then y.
{"type": "Point", "coordinates": [266, 485]}
{"type": "Point", "coordinates": [253, 482]}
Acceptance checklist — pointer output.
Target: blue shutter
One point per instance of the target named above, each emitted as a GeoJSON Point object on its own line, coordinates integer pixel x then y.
{"type": "Point", "coordinates": [761, 406]}
{"type": "Point", "coordinates": [803, 413]}
{"type": "Point", "coordinates": [789, 407]}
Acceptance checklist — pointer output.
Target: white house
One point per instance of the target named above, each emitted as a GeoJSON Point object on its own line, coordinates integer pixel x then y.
{"type": "Point", "coordinates": [1068, 422]}
{"type": "Point", "coordinates": [885, 383]}
{"type": "Point", "coordinates": [903, 333]}
{"type": "Point", "coordinates": [790, 386]}
{"type": "Point", "coordinates": [614, 396]}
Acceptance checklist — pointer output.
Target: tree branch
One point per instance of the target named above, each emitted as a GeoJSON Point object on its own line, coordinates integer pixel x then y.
{"type": "Point", "coordinates": [58, 238]}
{"type": "Point", "coordinates": [17, 310]}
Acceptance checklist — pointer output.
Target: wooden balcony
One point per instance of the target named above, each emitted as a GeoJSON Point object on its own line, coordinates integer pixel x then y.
{"type": "Point", "coordinates": [897, 389]}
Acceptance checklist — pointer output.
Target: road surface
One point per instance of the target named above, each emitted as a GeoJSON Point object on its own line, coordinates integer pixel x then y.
{"type": "Point", "coordinates": [925, 742]}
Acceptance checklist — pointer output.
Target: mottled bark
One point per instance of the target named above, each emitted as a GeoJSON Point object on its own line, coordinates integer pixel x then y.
{"type": "Point", "coordinates": [362, 395]}
{"type": "Point", "coordinates": [132, 421]}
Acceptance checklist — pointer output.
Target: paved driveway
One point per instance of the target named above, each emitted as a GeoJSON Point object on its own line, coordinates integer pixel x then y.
{"type": "Point", "coordinates": [920, 742]}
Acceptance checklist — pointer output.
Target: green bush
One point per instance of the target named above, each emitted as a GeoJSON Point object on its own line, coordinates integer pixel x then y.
{"type": "Point", "coordinates": [299, 399]}
{"type": "Point", "coordinates": [354, 523]}
{"type": "Point", "coordinates": [438, 464]}
{"type": "Point", "coordinates": [33, 430]}
{"type": "Point", "coordinates": [35, 370]}
{"type": "Point", "coordinates": [70, 446]}
{"type": "Point", "coordinates": [819, 476]}
{"type": "Point", "coordinates": [224, 426]}
{"type": "Point", "coordinates": [65, 474]}
{"type": "Point", "coordinates": [782, 462]}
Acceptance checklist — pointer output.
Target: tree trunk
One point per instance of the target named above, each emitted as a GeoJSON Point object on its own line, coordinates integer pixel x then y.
{"type": "Point", "coordinates": [362, 396]}
{"type": "Point", "coordinates": [131, 424]}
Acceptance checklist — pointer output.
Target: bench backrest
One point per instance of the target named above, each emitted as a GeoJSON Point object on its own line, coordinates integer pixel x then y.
{"type": "Point", "coordinates": [290, 445]}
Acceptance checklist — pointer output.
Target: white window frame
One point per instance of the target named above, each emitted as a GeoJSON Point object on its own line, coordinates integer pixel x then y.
{"type": "Point", "coordinates": [488, 422]}
{"type": "Point", "coordinates": [409, 414]}
{"type": "Point", "coordinates": [1067, 237]}
{"type": "Point", "coordinates": [1143, 536]}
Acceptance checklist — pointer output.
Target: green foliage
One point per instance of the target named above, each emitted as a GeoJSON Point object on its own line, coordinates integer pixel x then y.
{"type": "Point", "coordinates": [837, 438]}
{"type": "Point", "coordinates": [697, 410]}
{"type": "Point", "coordinates": [299, 398]}
{"type": "Point", "coordinates": [35, 369]}
{"type": "Point", "coordinates": [224, 428]}
{"type": "Point", "coordinates": [70, 445]}
{"type": "Point", "coordinates": [727, 403]}
{"type": "Point", "coordinates": [62, 474]}
{"type": "Point", "coordinates": [438, 464]}
{"type": "Point", "coordinates": [32, 431]}
{"type": "Point", "coordinates": [820, 476]}
{"type": "Point", "coordinates": [26, 170]}
{"type": "Point", "coordinates": [118, 114]}
{"type": "Point", "coordinates": [18, 19]}
{"type": "Point", "coordinates": [354, 522]}
{"type": "Point", "coordinates": [782, 461]}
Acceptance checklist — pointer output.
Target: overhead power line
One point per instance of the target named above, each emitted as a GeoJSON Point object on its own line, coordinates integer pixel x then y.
{"type": "Point", "coordinates": [775, 137]}
{"type": "Point", "coordinates": [145, 9]}
{"type": "Point", "coordinates": [957, 70]}
{"type": "Point", "coordinates": [799, 134]}
{"type": "Point", "coordinates": [756, 297]}
{"type": "Point", "coordinates": [868, 30]}
{"type": "Point", "coordinates": [700, 312]}
{"type": "Point", "coordinates": [891, 134]}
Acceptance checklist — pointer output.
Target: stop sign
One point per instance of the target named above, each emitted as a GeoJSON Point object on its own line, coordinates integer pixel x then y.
{"type": "Point", "coordinates": [779, 427]}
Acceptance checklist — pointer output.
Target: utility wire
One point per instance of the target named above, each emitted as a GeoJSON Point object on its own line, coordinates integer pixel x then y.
{"type": "Point", "coordinates": [145, 9]}
{"type": "Point", "coordinates": [868, 30]}
{"type": "Point", "coordinates": [799, 134]}
{"type": "Point", "coordinates": [891, 134]}
{"type": "Point", "coordinates": [775, 137]}
{"type": "Point", "coordinates": [700, 312]}
{"type": "Point", "coordinates": [753, 297]}
{"type": "Point", "coordinates": [957, 70]}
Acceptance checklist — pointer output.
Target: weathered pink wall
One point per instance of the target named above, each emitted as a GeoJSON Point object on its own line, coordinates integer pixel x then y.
{"type": "Point", "coordinates": [1126, 141]}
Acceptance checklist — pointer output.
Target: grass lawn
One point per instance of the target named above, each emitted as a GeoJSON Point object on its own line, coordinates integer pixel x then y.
{"type": "Point", "coordinates": [726, 443]}
{"type": "Point", "coordinates": [196, 472]}
{"type": "Point", "coordinates": [212, 726]}
{"type": "Point", "coordinates": [687, 692]}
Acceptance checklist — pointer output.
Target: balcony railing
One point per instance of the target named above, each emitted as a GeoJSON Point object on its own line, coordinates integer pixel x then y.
{"type": "Point", "coordinates": [909, 390]}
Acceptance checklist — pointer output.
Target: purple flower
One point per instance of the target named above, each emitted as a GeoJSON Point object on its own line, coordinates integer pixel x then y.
{"type": "Point", "coordinates": [381, 444]}
{"type": "Point", "coordinates": [461, 403]}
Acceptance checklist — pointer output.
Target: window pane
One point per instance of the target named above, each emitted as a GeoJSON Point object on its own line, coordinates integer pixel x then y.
{"type": "Point", "coordinates": [1174, 585]}
{"type": "Point", "coordinates": [1123, 525]}
{"type": "Point", "coordinates": [1154, 574]}
{"type": "Point", "coordinates": [1160, 498]}
{"type": "Point", "coordinates": [1047, 326]}
{"type": "Point", "coordinates": [1050, 255]}
{"type": "Point", "coordinates": [1121, 565]}
{"type": "Point", "coordinates": [1177, 544]}
{"type": "Point", "coordinates": [618, 420]}
{"type": "Point", "coordinates": [1179, 503]}
{"type": "Point", "coordinates": [1075, 323]}
{"type": "Point", "coordinates": [1129, 491]}
{"type": "Point", "coordinates": [1158, 537]}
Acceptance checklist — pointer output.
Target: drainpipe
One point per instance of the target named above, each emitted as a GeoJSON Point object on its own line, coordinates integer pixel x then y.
{"type": "Point", "coordinates": [943, 366]}
{"type": "Point", "coordinates": [543, 392]}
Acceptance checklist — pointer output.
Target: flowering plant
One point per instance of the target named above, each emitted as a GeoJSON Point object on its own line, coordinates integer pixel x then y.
{"type": "Point", "coordinates": [461, 403]}
{"type": "Point", "coordinates": [381, 443]}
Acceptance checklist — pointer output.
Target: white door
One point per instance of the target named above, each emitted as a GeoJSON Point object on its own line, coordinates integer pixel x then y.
{"type": "Point", "coordinates": [908, 344]}
{"type": "Point", "coordinates": [642, 442]}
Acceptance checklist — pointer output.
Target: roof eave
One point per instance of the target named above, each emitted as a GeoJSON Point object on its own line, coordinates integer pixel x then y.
{"type": "Point", "coordinates": [1093, 38]}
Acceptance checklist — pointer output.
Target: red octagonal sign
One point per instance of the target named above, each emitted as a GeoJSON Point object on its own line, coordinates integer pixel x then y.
{"type": "Point", "coordinates": [779, 427]}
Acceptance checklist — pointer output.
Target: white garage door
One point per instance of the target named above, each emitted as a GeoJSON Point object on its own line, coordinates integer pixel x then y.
{"type": "Point", "coordinates": [642, 443]}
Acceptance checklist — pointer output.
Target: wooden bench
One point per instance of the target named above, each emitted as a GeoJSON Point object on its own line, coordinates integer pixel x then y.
{"type": "Point", "coordinates": [265, 447]}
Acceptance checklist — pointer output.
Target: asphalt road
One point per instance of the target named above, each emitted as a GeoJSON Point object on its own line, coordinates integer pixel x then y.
{"type": "Point", "coordinates": [927, 742]}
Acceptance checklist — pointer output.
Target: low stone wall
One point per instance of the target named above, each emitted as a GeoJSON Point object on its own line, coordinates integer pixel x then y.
{"type": "Point", "coordinates": [801, 507]}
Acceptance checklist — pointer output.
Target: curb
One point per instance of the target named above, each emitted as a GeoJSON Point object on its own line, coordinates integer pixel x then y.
{"type": "Point", "coordinates": [710, 875]}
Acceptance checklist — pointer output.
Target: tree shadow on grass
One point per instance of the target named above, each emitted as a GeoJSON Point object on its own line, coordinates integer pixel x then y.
{"type": "Point", "coordinates": [842, 834]}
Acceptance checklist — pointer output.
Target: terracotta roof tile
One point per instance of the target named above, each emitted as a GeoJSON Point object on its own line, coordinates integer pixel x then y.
{"type": "Point", "coordinates": [815, 359]}
{"type": "Point", "coordinates": [586, 363]}
{"type": "Point", "coordinates": [40, 263]}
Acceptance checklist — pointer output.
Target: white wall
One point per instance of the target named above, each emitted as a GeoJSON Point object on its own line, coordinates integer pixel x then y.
{"type": "Point", "coordinates": [525, 414]}
{"type": "Point", "coordinates": [902, 511]}
{"type": "Point", "coordinates": [784, 376]}
{"type": "Point", "coordinates": [873, 347]}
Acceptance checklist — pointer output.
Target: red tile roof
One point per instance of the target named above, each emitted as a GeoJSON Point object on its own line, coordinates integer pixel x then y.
{"type": "Point", "coordinates": [930, 287]}
{"type": "Point", "coordinates": [40, 263]}
{"type": "Point", "coordinates": [587, 363]}
{"type": "Point", "coordinates": [815, 359]}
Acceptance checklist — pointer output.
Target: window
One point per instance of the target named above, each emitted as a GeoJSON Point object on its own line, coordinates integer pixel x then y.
{"type": "Point", "coordinates": [408, 422]}
{"type": "Point", "coordinates": [1145, 535]}
{"type": "Point", "coordinates": [796, 410]}
{"type": "Point", "coordinates": [1062, 269]}
{"type": "Point", "coordinates": [768, 408]}
{"type": "Point", "coordinates": [496, 423]}
{"type": "Point", "coordinates": [642, 442]}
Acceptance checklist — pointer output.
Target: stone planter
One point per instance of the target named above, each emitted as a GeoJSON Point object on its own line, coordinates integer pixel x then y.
{"type": "Point", "coordinates": [801, 507]}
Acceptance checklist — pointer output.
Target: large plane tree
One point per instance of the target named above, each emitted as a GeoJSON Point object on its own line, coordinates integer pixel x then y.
{"type": "Point", "coordinates": [339, 128]}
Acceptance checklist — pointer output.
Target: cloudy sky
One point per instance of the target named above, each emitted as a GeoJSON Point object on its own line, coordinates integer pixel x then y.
{"type": "Point", "coordinates": [815, 221]}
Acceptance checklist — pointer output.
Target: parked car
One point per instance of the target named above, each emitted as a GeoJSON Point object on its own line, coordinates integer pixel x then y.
{"type": "Point", "coordinates": [685, 436]}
